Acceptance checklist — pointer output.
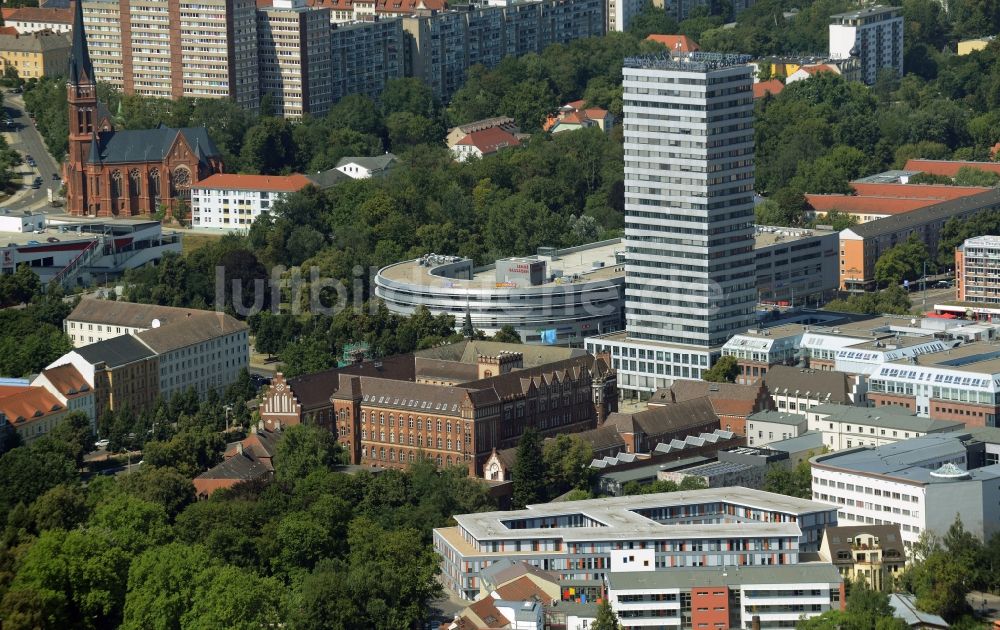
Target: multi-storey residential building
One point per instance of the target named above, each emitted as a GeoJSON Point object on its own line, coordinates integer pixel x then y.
{"type": "Point", "coordinates": [725, 597]}
{"type": "Point", "coordinates": [133, 353]}
{"type": "Point", "coordinates": [194, 48]}
{"type": "Point", "coordinates": [294, 57]}
{"type": "Point", "coordinates": [30, 411]}
{"type": "Point", "coordinates": [688, 179]}
{"type": "Point", "coordinates": [123, 373]}
{"type": "Point", "coordinates": [35, 55]}
{"type": "Point", "coordinates": [366, 56]}
{"type": "Point", "coordinates": [70, 389]}
{"type": "Point", "coordinates": [873, 553]}
{"type": "Point", "coordinates": [977, 270]}
{"type": "Point", "coordinates": [443, 45]}
{"type": "Point", "coordinates": [588, 540]}
{"type": "Point", "coordinates": [621, 12]}
{"type": "Point", "coordinates": [233, 202]}
{"type": "Point", "coordinates": [846, 427]}
{"type": "Point", "coordinates": [345, 11]}
{"type": "Point", "coordinates": [920, 484]}
{"type": "Point", "coordinates": [34, 19]}
{"type": "Point", "coordinates": [874, 35]}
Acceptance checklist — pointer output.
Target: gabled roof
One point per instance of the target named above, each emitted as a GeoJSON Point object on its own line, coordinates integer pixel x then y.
{"type": "Point", "coordinates": [763, 88]}
{"type": "Point", "coordinates": [268, 183]}
{"type": "Point", "coordinates": [315, 389]}
{"type": "Point", "coordinates": [727, 399]}
{"type": "Point", "coordinates": [237, 468]}
{"type": "Point", "coordinates": [38, 42]}
{"type": "Point", "coordinates": [490, 140]}
{"type": "Point", "coordinates": [486, 614]}
{"type": "Point", "coordinates": [842, 538]}
{"type": "Point", "coordinates": [904, 606]}
{"type": "Point", "coordinates": [29, 405]}
{"type": "Point", "coordinates": [260, 445]}
{"type": "Point", "coordinates": [128, 314]}
{"type": "Point", "coordinates": [376, 163]}
{"type": "Point", "coordinates": [505, 570]}
{"type": "Point", "coordinates": [915, 191]}
{"type": "Point", "coordinates": [115, 352]}
{"type": "Point", "coordinates": [818, 68]}
{"type": "Point", "coordinates": [146, 145]}
{"type": "Point", "coordinates": [823, 385]}
{"type": "Point", "coordinates": [38, 14]}
{"type": "Point", "coordinates": [486, 123]}
{"type": "Point", "coordinates": [678, 43]}
{"type": "Point", "coordinates": [522, 589]}
{"type": "Point", "coordinates": [948, 168]}
{"type": "Point", "coordinates": [328, 178]}
{"type": "Point", "coordinates": [67, 380]}
{"type": "Point", "coordinates": [662, 420]}
{"type": "Point", "coordinates": [938, 212]}
{"type": "Point", "coordinates": [858, 203]}
{"type": "Point", "coordinates": [190, 331]}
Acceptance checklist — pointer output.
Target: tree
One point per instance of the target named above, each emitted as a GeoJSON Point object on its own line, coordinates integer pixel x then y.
{"type": "Point", "coordinates": [304, 449]}
{"type": "Point", "coordinates": [529, 470]}
{"type": "Point", "coordinates": [161, 586]}
{"type": "Point", "coordinates": [904, 261]}
{"type": "Point", "coordinates": [468, 331]}
{"type": "Point", "coordinates": [232, 597]}
{"type": "Point", "coordinates": [970, 176]}
{"type": "Point", "coordinates": [267, 147]}
{"type": "Point", "coordinates": [181, 211]}
{"type": "Point", "coordinates": [795, 482]}
{"type": "Point", "coordinates": [507, 334]}
{"type": "Point", "coordinates": [131, 523]}
{"type": "Point", "coordinates": [606, 618]}
{"type": "Point", "coordinates": [838, 220]}
{"type": "Point", "coordinates": [652, 20]}
{"type": "Point", "coordinates": [725, 370]}
{"type": "Point", "coordinates": [567, 462]}
{"type": "Point", "coordinates": [75, 430]}
{"type": "Point", "coordinates": [163, 486]}
{"type": "Point", "coordinates": [30, 471]}
{"type": "Point", "coordinates": [62, 507]}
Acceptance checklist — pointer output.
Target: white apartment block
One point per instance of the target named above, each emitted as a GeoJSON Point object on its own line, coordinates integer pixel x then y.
{"type": "Point", "coordinates": [621, 12]}
{"type": "Point", "coordinates": [586, 540]}
{"type": "Point", "coordinates": [233, 202]}
{"type": "Point", "coordinates": [845, 427]}
{"type": "Point", "coordinates": [168, 49]}
{"type": "Point", "coordinates": [874, 35]}
{"type": "Point", "coordinates": [725, 597]}
{"type": "Point", "coordinates": [295, 53]}
{"type": "Point", "coordinates": [919, 484]}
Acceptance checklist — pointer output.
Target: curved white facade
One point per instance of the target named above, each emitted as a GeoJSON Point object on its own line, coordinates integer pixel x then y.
{"type": "Point", "coordinates": [581, 293]}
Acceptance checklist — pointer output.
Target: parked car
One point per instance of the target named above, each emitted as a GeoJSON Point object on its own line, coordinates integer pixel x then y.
{"type": "Point", "coordinates": [33, 243]}
{"type": "Point", "coordinates": [37, 183]}
{"type": "Point", "coordinates": [102, 444]}
{"type": "Point", "coordinates": [52, 239]}
{"type": "Point", "coordinates": [55, 177]}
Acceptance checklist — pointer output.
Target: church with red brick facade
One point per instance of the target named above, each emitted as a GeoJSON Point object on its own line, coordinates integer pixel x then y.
{"type": "Point", "coordinates": [111, 173]}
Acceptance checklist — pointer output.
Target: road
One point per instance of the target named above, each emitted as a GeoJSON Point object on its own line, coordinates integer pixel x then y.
{"type": "Point", "coordinates": [27, 141]}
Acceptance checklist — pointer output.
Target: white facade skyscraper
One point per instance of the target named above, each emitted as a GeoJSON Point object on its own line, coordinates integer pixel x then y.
{"type": "Point", "coordinates": [874, 35]}
{"type": "Point", "coordinates": [689, 222]}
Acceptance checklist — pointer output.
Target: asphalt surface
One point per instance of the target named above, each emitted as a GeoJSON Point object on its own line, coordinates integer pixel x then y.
{"type": "Point", "coordinates": [26, 140]}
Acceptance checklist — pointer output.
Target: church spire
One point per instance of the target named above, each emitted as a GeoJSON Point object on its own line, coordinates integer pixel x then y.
{"type": "Point", "coordinates": [80, 68]}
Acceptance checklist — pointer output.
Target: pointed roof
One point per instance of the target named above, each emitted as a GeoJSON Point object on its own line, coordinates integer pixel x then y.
{"type": "Point", "coordinates": [80, 68]}
{"type": "Point", "coordinates": [95, 154]}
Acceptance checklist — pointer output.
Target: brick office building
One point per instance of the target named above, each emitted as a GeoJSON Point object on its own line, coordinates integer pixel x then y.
{"type": "Point", "coordinates": [390, 423]}
{"type": "Point", "coordinates": [457, 403]}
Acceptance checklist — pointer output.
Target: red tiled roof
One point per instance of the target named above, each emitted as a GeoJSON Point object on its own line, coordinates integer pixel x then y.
{"type": "Point", "coordinates": [595, 113]}
{"type": "Point", "coordinates": [761, 89]}
{"type": "Point", "coordinates": [67, 380]}
{"type": "Point", "coordinates": [490, 140]}
{"type": "Point", "coordinates": [408, 6]}
{"type": "Point", "coordinates": [28, 405]}
{"type": "Point", "coordinates": [9, 390]}
{"type": "Point", "coordinates": [36, 14]}
{"type": "Point", "coordinates": [522, 589]}
{"type": "Point", "coordinates": [874, 205]}
{"type": "Point", "coordinates": [273, 183]}
{"type": "Point", "coordinates": [816, 69]}
{"type": "Point", "coordinates": [681, 43]}
{"type": "Point", "coordinates": [948, 168]}
{"type": "Point", "coordinates": [916, 191]}
{"type": "Point", "coordinates": [576, 104]}
{"type": "Point", "coordinates": [9, 30]}
{"type": "Point", "coordinates": [486, 610]}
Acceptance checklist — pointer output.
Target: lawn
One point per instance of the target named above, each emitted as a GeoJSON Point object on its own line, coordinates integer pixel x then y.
{"type": "Point", "coordinates": [192, 241]}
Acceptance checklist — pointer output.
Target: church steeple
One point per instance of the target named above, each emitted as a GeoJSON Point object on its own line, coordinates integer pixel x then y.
{"type": "Point", "coordinates": [81, 70]}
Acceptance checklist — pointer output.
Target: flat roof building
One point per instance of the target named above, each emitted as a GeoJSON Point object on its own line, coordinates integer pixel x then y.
{"type": "Point", "coordinates": [557, 296]}
{"type": "Point", "coordinates": [977, 270]}
{"type": "Point", "coordinates": [795, 266]}
{"type": "Point", "coordinates": [920, 484]}
{"type": "Point", "coordinates": [725, 597]}
{"type": "Point", "coordinates": [587, 540]}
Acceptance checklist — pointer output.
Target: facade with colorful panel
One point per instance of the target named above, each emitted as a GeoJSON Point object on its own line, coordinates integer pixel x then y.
{"type": "Point", "coordinates": [725, 597]}
{"type": "Point", "coordinates": [592, 539]}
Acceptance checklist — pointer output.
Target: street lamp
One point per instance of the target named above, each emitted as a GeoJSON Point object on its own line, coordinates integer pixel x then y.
{"type": "Point", "coordinates": [228, 409]}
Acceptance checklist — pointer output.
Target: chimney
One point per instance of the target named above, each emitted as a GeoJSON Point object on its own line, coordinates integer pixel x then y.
{"type": "Point", "coordinates": [239, 448]}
